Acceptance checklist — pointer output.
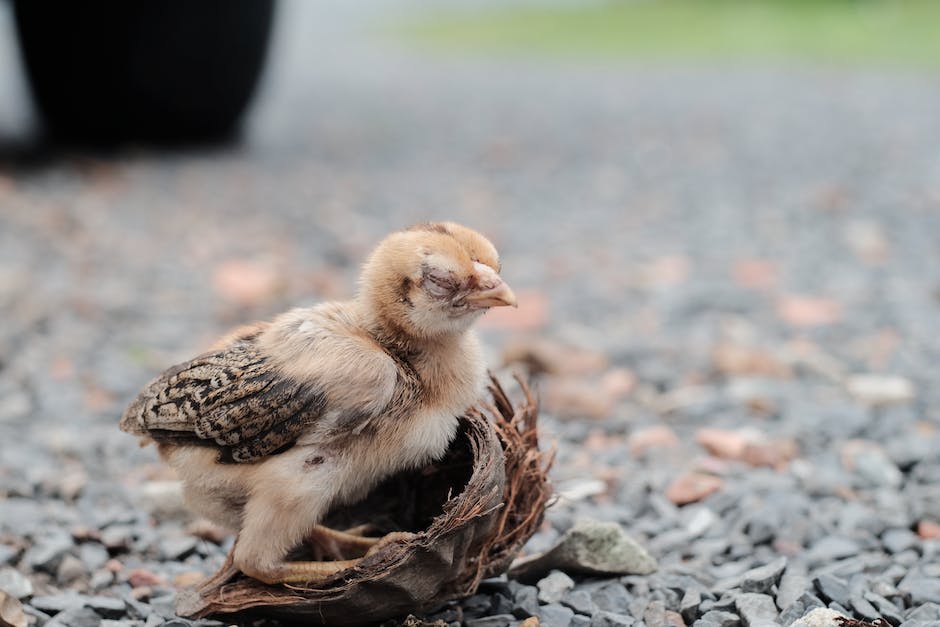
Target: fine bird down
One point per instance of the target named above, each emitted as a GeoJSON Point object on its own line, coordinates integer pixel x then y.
{"type": "Point", "coordinates": [284, 420]}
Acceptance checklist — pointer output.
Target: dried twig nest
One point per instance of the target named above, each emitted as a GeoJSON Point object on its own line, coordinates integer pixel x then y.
{"type": "Point", "coordinates": [471, 513]}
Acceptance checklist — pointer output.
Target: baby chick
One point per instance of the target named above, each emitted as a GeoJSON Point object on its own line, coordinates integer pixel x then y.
{"type": "Point", "coordinates": [287, 419]}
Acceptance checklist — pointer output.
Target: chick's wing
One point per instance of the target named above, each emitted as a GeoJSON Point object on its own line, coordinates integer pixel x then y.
{"type": "Point", "coordinates": [233, 398]}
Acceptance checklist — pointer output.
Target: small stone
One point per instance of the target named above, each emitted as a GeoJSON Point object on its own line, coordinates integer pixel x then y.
{"type": "Point", "coordinates": [7, 554]}
{"type": "Point", "coordinates": [701, 521]}
{"type": "Point", "coordinates": [75, 617]}
{"type": "Point", "coordinates": [579, 601]}
{"type": "Point", "coordinates": [928, 612]}
{"type": "Point", "coordinates": [178, 548]}
{"type": "Point", "coordinates": [595, 548]}
{"type": "Point", "coordinates": [723, 443]}
{"type": "Point", "coordinates": [15, 584]}
{"type": "Point", "coordinates": [11, 611]}
{"type": "Point", "coordinates": [611, 619]}
{"type": "Point", "coordinates": [720, 618]}
{"type": "Point", "coordinates": [756, 609]}
{"type": "Point", "coordinates": [832, 548]}
{"type": "Point", "coordinates": [820, 617]}
{"type": "Point", "coordinates": [880, 389]}
{"type": "Point", "coordinates": [921, 589]}
{"type": "Point", "coordinates": [106, 607]}
{"type": "Point", "coordinates": [868, 461]}
{"type": "Point", "coordinates": [899, 539]}
{"type": "Point", "coordinates": [553, 587]}
{"type": "Point", "coordinates": [497, 620]}
{"type": "Point", "coordinates": [690, 603]}
{"type": "Point", "coordinates": [792, 585]}
{"type": "Point", "coordinates": [101, 579]}
{"type": "Point", "coordinates": [478, 605]}
{"type": "Point", "coordinates": [863, 608]}
{"type": "Point", "coordinates": [928, 530]}
{"type": "Point", "coordinates": [763, 578]}
{"type": "Point", "coordinates": [832, 589]}
{"type": "Point", "coordinates": [141, 577]}
{"type": "Point", "coordinates": [692, 487]}
{"type": "Point", "coordinates": [118, 537]}
{"type": "Point", "coordinates": [800, 607]}
{"type": "Point", "coordinates": [655, 614]}
{"type": "Point", "coordinates": [576, 621]}
{"type": "Point", "coordinates": [48, 551]}
{"type": "Point", "coordinates": [612, 597]}
{"type": "Point", "coordinates": [93, 555]}
{"type": "Point", "coordinates": [526, 601]}
{"type": "Point", "coordinates": [188, 579]}
{"type": "Point", "coordinates": [555, 615]}
{"type": "Point", "coordinates": [55, 603]}
{"type": "Point", "coordinates": [642, 441]}
{"type": "Point", "coordinates": [70, 569]}
{"type": "Point", "coordinates": [674, 619]}
{"type": "Point", "coordinates": [885, 608]}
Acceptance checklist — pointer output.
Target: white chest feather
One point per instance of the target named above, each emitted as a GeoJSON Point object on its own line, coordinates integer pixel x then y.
{"type": "Point", "coordinates": [426, 437]}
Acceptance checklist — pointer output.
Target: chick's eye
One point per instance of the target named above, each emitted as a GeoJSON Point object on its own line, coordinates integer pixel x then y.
{"type": "Point", "coordinates": [439, 283]}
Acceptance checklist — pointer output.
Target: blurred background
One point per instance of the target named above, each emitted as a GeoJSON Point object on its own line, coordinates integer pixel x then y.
{"type": "Point", "coordinates": [717, 213]}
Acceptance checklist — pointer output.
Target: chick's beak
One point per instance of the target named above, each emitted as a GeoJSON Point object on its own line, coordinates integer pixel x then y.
{"type": "Point", "coordinates": [491, 290]}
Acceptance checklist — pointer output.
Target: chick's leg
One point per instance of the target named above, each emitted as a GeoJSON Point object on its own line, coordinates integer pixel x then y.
{"type": "Point", "coordinates": [341, 545]}
{"type": "Point", "coordinates": [338, 545]}
{"type": "Point", "coordinates": [271, 528]}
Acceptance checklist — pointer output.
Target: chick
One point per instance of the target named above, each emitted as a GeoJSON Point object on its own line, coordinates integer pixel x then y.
{"type": "Point", "coordinates": [285, 420]}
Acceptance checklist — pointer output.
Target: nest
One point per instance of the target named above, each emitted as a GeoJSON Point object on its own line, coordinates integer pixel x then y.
{"type": "Point", "coordinates": [471, 512]}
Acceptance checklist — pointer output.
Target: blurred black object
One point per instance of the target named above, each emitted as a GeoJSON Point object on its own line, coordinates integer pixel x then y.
{"type": "Point", "coordinates": [143, 70]}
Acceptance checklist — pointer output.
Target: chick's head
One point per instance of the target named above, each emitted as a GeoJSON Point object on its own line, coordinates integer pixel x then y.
{"type": "Point", "coordinates": [433, 279]}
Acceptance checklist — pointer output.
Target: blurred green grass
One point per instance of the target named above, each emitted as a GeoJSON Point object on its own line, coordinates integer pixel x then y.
{"type": "Point", "coordinates": [856, 32]}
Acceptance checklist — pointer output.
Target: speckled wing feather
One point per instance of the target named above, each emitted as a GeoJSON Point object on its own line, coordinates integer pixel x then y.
{"type": "Point", "coordinates": [232, 398]}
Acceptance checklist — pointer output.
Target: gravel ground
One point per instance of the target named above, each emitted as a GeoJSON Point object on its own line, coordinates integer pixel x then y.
{"type": "Point", "coordinates": [730, 279]}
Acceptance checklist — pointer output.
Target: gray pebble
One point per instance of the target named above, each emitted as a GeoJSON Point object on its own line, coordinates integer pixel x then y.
{"type": "Point", "coordinates": [15, 583]}
{"type": "Point", "coordinates": [75, 617]}
{"type": "Point", "coordinates": [553, 587]}
{"type": "Point", "coordinates": [579, 601]}
{"type": "Point", "coordinates": [7, 554]}
{"type": "Point", "coordinates": [924, 613]}
{"type": "Point", "coordinates": [497, 620]}
{"type": "Point", "coordinates": [555, 615]}
{"type": "Point", "coordinates": [55, 603]}
{"type": "Point", "coordinates": [580, 621]}
{"type": "Point", "coordinates": [93, 555]}
{"type": "Point", "coordinates": [832, 589]}
{"type": "Point", "coordinates": [604, 618]}
{"type": "Point", "coordinates": [885, 608]}
{"type": "Point", "coordinates": [832, 548]}
{"type": "Point", "coordinates": [613, 598]}
{"type": "Point", "coordinates": [107, 607]}
{"type": "Point", "coordinates": [791, 587]}
{"type": "Point", "coordinates": [47, 552]}
{"type": "Point", "coordinates": [526, 601]}
{"type": "Point", "coordinates": [898, 539]}
{"type": "Point", "coordinates": [101, 579]}
{"type": "Point", "coordinates": [863, 608]}
{"type": "Point", "coordinates": [720, 618]}
{"type": "Point", "coordinates": [756, 609]}
{"type": "Point", "coordinates": [178, 548]}
{"type": "Point", "coordinates": [763, 578]}
{"type": "Point", "coordinates": [70, 569]}
{"type": "Point", "coordinates": [655, 614]}
{"type": "Point", "coordinates": [689, 605]}
{"type": "Point", "coordinates": [921, 589]}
